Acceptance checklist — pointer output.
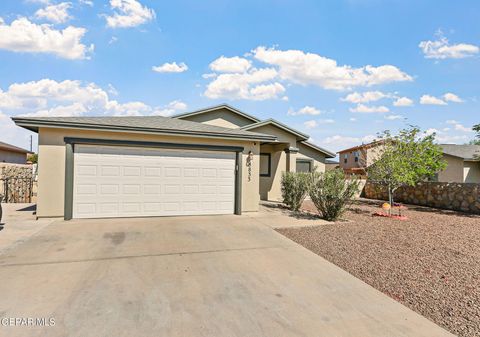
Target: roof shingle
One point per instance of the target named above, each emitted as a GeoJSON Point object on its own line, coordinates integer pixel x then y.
{"type": "Point", "coordinates": [140, 123]}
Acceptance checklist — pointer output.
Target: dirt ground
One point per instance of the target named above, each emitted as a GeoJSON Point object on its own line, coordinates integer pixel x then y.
{"type": "Point", "coordinates": [430, 263]}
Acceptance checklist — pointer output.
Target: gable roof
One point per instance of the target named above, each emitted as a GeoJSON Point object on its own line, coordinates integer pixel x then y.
{"type": "Point", "coordinates": [217, 107]}
{"type": "Point", "coordinates": [12, 148]}
{"type": "Point", "coordinates": [276, 123]}
{"type": "Point", "coordinates": [363, 146]}
{"type": "Point", "coordinates": [466, 152]}
{"type": "Point", "coordinates": [327, 153]}
{"type": "Point", "coordinates": [147, 124]}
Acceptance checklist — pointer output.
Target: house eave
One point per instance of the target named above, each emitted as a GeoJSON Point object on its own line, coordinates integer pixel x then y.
{"type": "Point", "coordinates": [320, 149]}
{"type": "Point", "coordinates": [34, 125]}
{"type": "Point", "coordinates": [216, 107]}
{"type": "Point", "coordinates": [301, 136]}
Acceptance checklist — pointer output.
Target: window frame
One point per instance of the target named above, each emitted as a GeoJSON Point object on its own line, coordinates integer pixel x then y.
{"type": "Point", "coordinates": [269, 171]}
{"type": "Point", "coordinates": [305, 160]}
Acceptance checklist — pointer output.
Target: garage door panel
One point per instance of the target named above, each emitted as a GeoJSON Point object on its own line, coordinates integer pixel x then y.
{"type": "Point", "coordinates": [114, 181]}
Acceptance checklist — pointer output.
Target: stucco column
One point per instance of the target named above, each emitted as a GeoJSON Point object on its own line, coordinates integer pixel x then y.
{"type": "Point", "coordinates": [291, 159]}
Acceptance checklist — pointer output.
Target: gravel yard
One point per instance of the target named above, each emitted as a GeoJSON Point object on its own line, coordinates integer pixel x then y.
{"type": "Point", "coordinates": [430, 263]}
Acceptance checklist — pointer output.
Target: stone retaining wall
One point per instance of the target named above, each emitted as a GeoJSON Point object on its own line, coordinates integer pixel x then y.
{"type": "Point", "coordinates": [455, 196]}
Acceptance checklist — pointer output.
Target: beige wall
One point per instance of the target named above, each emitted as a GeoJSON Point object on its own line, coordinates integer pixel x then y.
{"type": "Point", "coordinates": [471, 172]}
{"type": "Point", "coordinates": [309, 153]}
{"type": "Point", "coordinates": [351, 163]}
{"type": "Point", "coordinates": [221, 117]}
{"type": "Point", "coordinates": [453, 173]}
{"type": "Point", "coordinates": [282, 136]}
{"type": "Point", "coordinates": [51, 166]}
{"type": "Point", "coordinates": [12, 157]}
{"type": "Point", "coordinates": [367, 156]}
{"type": "Point", "coordinates": [270, 187]}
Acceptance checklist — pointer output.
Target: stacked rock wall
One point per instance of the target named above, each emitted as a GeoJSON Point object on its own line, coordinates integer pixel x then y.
{"type": "Point", "coordinates": [455, 196]}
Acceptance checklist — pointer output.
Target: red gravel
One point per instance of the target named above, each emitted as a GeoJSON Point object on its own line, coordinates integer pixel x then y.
{"type": "Point", "coordinates": [430, 263]}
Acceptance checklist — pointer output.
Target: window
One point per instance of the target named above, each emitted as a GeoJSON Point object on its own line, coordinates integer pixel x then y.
{"type": "Point", "coordinates": [265, 163]}
{"type": "Point", "coordinates": [357, 155]}
{"type": "Point", "coordinates": [304, 165]}
{"type": "Point", "coordinates": [345, 158]}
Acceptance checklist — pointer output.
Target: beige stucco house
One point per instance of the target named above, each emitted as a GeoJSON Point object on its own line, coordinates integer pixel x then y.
{"type": "Point", "coordinates": [463, 161]}
{"type": "Point", "coordinates": [13, 154]}
{"type": "Point", "coordinates": [218, 160]}
{"type": "Point", "coordinates": [463, 164]}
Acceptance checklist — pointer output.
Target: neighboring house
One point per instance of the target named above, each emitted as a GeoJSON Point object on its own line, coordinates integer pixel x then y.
{"type": "Point", "coordinates": [331, 164]}
{"type": "Point", "coordinates": [218, 160]}
{"type": "Point", "coordinates": [463, 161]}
{"type": "Point", "coordinates": [463, 164]}
{"type": "Point", "coordinates": [13, 154]}
{"type": "Point", "coordinates": [356, 159]}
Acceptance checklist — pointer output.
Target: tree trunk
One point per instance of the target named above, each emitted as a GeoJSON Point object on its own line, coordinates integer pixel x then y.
{"type": "Point", "coordinates": [390, 199]}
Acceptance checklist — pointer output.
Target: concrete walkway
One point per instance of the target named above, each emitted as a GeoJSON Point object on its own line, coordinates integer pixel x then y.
{"type": "Point", "coordinates": [19, 224]}
{"type": "Point", "coordinates": [189, 276]}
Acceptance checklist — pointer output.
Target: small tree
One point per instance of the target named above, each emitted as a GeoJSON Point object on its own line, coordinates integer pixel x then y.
{"type": "Point", "coordinates": [33, 158]}
{"type": "Point", "coordinates": [406, 159]}
{"type": "Point", "coordinates": [331, 192]}
{"type": "Point", "coordinates": [294, 189]}
{"type": "Point", "coordinates": [476, 128]}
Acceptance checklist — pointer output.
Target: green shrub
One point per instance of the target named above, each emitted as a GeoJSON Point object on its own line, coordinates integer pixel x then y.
{"type": "Point", "coordinates": [294, 188]}
{"type": "Point", "coordinates": [331, 193]}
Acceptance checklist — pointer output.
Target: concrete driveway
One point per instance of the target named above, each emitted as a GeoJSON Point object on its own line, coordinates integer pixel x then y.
{"type": "Point", "coordinates": [188, 276]}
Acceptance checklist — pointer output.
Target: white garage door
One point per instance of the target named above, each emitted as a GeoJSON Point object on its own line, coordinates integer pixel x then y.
{"type": "Point", "coordinates": [111, 181]}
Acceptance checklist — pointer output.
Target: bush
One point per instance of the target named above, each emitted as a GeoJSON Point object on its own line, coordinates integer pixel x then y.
{"type": "Point", "coordinates": [295, 187]}
{"type": "Point", "coordinates": [331, 193]}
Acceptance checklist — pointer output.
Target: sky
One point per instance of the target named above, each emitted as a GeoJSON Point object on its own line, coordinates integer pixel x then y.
{"type": "Point", "coordinates": [339, 70]}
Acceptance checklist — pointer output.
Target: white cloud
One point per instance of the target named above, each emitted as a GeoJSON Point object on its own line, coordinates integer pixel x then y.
{"type": "Point", "coordinates": [24, 36]}
{"type": "Point", "coordinates": [170, 109]}
{"type": "Point", "coordinates": [210, 75]}
{"type": "Point", "coordinates": [365, 97]}
{"type": "Point", "coordinates": [459, 135]}
{"type": "Point", "coordinates": [431, 100]}
{"type": "Point", "coordinates": [458, 126]}
{"type": "Point", "coordinates": [361, 108]}
{"type": "Point", "coordinates": [75, 109]}
{"type": "Point", "coordinates": [310, 124]}
{"type": "Point", "coordinates": [442, 49]}
{"type": "Point", "coordinates": [170, 68]}
{"type": "Point", "coordinates": [12, 134]}
{"type": "Point", "coordinates": [393, 117]}
{"type": "Point", "coordinates": [339, 142]}
{"type": "Point", "coordinates": [352, 119]}
{"type": "Point", "coordinates": [306, 110]}
{"type": "Point", "coordinates": [403, 101]}
{"type": "Point", "coordinates": [250, 85]}
{"type": "Point", "coordinates": [230, 64]}
{"type": "Point", "coordinates": [309, 68]}
{"type": "Point", "coordinates": [86, 2]}
{"type": "Point", "coordinates": [314, 123]}
{"type": "Point", "coordinates": [128, 13]}
{"type": "Point", "coordinates": [449, 97]}
{"type": "Point", "coordinates": [326, 121]}
{"type": "Point", "coordinates": [48, 97]}
{"type": "Point", "coordinates": [55, 13]}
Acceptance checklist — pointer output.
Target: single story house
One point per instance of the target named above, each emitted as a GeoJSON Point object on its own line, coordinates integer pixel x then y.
{"type": "Point", "coordinates": [463, 164]}
{"type": "Point", "coordinates": [331, 164]}
{"type": "Point", "coordinates": [218, 160]}
{"type": "Point", "coordinates": [13, 154]}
